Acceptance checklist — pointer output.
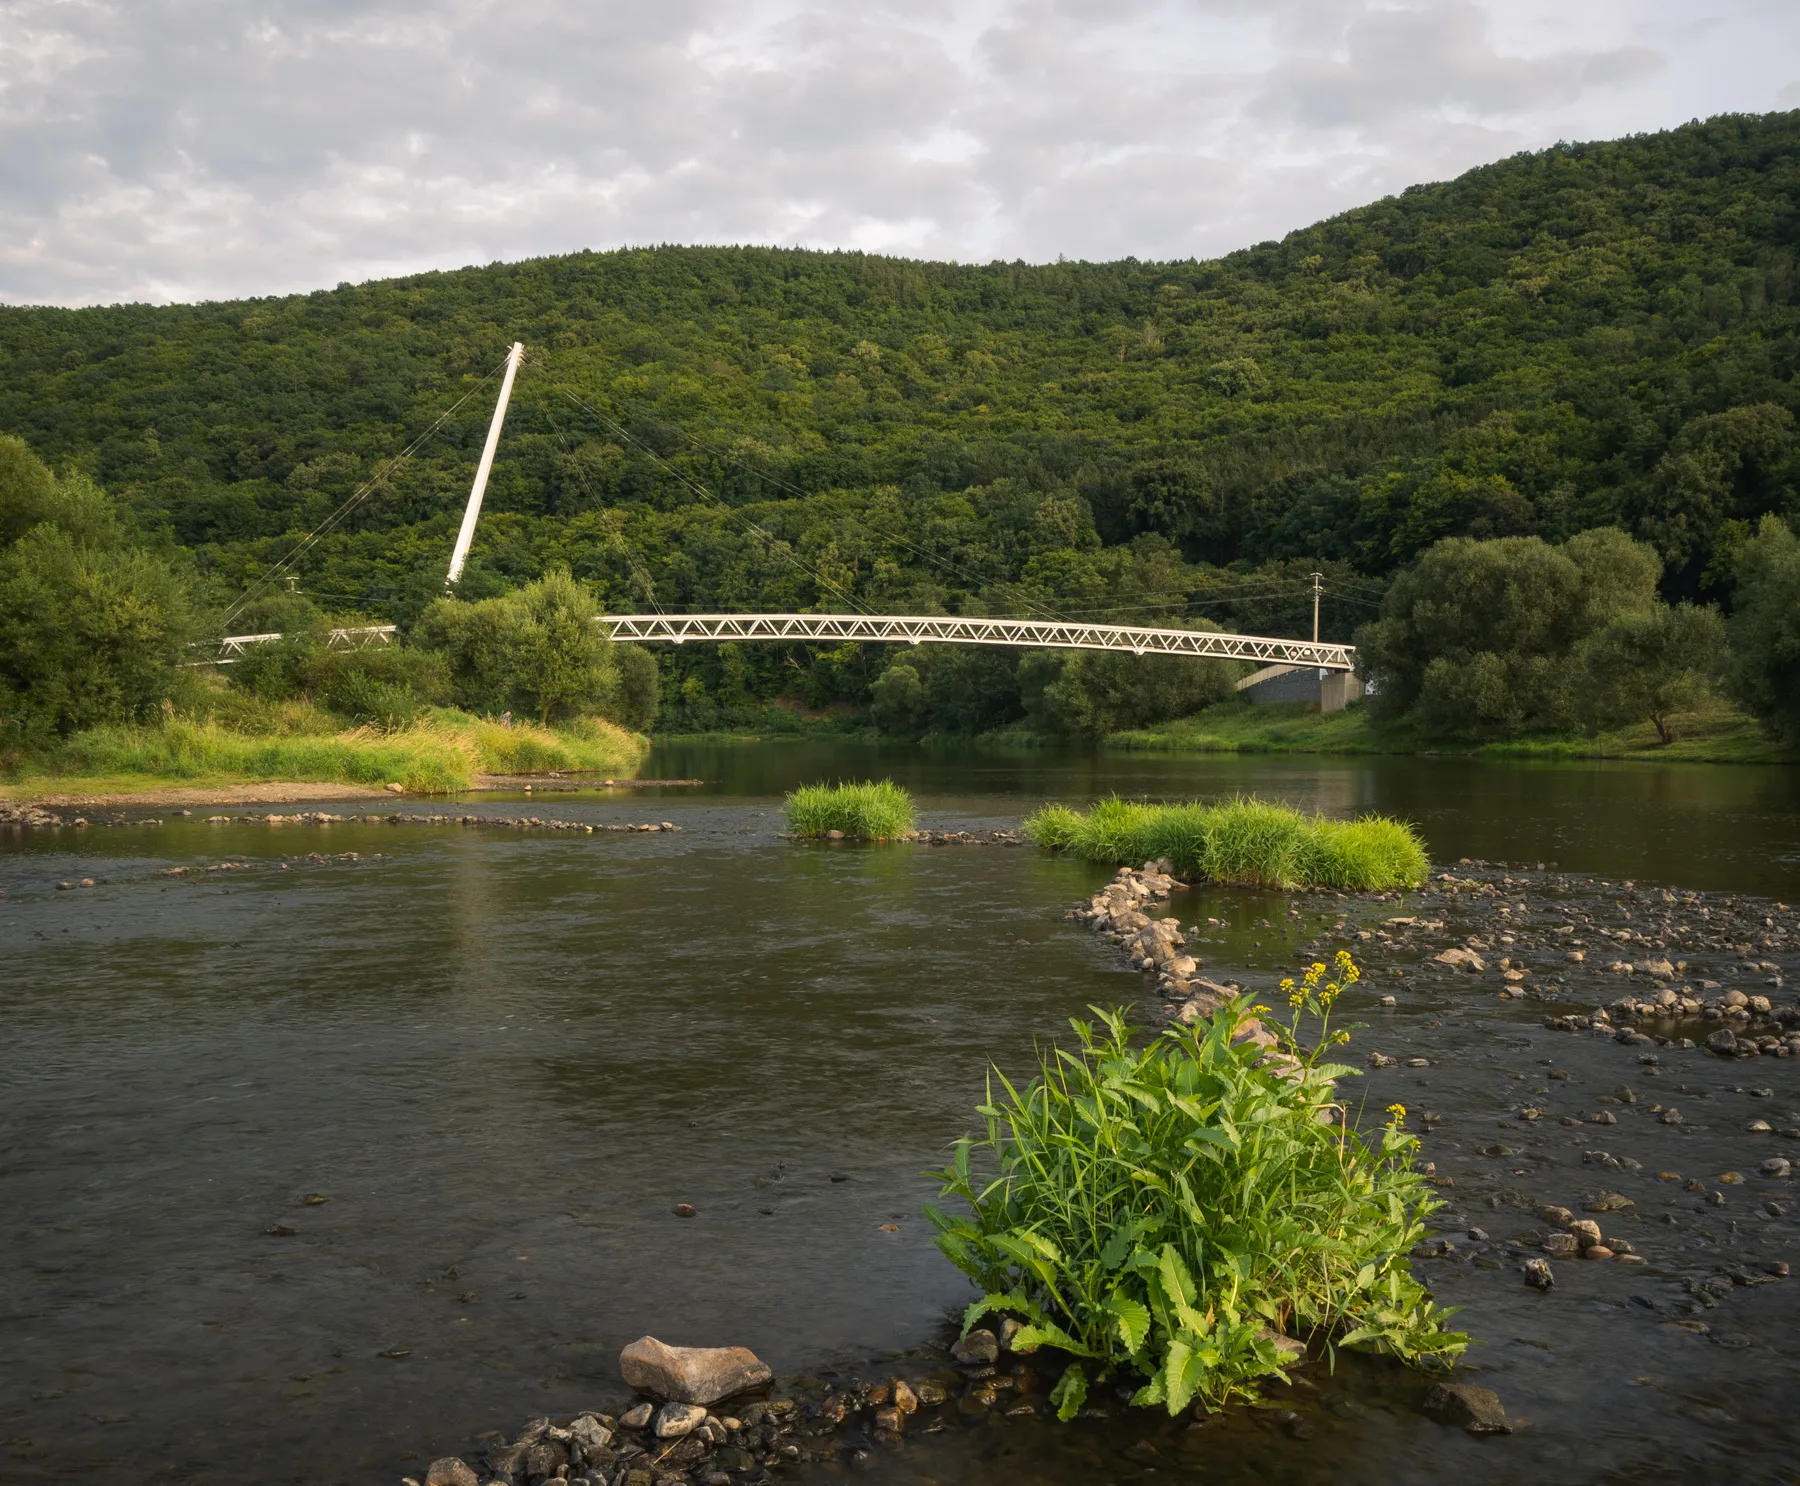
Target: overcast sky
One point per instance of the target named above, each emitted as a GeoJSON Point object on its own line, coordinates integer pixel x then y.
{"type": "Point", "coordinates": [189, 149]}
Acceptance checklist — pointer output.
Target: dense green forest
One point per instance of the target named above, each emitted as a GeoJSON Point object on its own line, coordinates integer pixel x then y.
{"type": "Point", "coordinates": [1593, 335]}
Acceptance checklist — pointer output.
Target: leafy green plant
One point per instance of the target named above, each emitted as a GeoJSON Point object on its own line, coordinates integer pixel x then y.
{"type": "Point", "coordinates": [876, 812]}
{"type": "Point", "coordinates": [1240, 840]}
{"type": "Point", "coordinates": [1183, 1210]}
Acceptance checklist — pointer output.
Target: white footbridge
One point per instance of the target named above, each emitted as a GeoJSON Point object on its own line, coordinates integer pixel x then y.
{"type": "Point", "coordinates": [910, 629]}
{"type": "Point", "coordinates": [1037, 634]}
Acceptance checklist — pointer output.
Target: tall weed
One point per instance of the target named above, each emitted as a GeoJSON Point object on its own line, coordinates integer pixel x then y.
{"type": "Point", "coordinates": [1176, 1211]}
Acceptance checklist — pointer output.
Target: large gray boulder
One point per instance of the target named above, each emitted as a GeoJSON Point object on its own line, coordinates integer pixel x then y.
{"type": "Point", "coordinates": [701, 1375]}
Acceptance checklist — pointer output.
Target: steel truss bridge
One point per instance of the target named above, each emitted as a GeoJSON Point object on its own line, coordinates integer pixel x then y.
{"type": "Point", "coordinates": [909, 629]}
{"type": "Point", "coordinates": [1046, 634]}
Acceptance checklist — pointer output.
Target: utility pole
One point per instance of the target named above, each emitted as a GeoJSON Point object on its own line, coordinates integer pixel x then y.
{"type": "Point", "coordinates": [473, 512]}
{"type": "Point", "coordinates": [1316, 577]}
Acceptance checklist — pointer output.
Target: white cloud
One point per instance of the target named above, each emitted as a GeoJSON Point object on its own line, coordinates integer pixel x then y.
{"type": "Point", "coordinates": [162, 149]}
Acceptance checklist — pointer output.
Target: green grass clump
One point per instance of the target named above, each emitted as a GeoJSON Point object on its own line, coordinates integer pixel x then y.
{"type": "Point", "coordinates": [1242, 840]}
{"type": "Point", "coordinates": [874, 812]}
{"type": "Point", "coordinates": [1176, 1211]}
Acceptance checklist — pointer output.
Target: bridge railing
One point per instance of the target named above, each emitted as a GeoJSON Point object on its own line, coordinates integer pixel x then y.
{"type": "Point", "coordinates": [1049, 634]}
{"type": "Point", "coordinates": [352, 637]}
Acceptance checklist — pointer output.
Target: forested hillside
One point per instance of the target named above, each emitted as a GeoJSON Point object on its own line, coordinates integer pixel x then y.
{"type": "Point", "coordinates": [1595, 334]}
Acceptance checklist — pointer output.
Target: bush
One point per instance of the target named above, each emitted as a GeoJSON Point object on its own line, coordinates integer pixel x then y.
{"type": "Point", "coordinates": [869, 811]}
{"type": "Point", "coordinates": [1765, 629]}
{"type": "Point", "coordinates": [1476, 638]}
{"type": "Point", "coordinates": [1176, 1210]}
{"type": "Point", "coordinates": [1243, 840]}
{"type": "Point", "coordinates": [898, 699]}
{"type": "Point", "coordinates": [640, 687]}
{"type": "Point", "coordinates": [388, 686]}
{"type": "Point", "coordinates": [1652, 665]}
{"type": "Point", "coordinates": [1090, 693]}
{"type": "Point", "coordinates": [92, 629]}
{"type": "Point", "coordinates": [537, 651]}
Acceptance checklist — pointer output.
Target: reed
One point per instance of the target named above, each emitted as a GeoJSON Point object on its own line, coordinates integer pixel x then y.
{"type": "Point", "coordinates": [1242, 840]}
{"type": "Point", "coordinates": [870, 811]}
{"type": "Point", "coordinates": [1186, 1211]}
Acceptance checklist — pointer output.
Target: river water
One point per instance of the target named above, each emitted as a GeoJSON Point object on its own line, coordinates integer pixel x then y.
{"type": "Point", "coordinates": [501, 1059]}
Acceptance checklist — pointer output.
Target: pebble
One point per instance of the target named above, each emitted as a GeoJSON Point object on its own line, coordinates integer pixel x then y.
{"type": "Point", "coordinates": [674, 1420]}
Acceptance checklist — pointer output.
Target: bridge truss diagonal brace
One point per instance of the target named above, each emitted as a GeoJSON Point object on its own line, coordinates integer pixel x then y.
{"type": "Point", "coordinates": [956, 630]}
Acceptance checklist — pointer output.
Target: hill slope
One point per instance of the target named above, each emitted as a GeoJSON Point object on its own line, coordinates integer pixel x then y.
{"type": "Point", "coordinates": [1595, 333]}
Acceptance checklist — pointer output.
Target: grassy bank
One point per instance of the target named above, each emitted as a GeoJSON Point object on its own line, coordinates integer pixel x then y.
{"type": "Point", "coordinates": [1243, 840]}
{"type": "Point", "coordinates": [870, 811]}
{"type": "Point", "coordinates": [1718, 734]}
{"type": "Point", "coordinates": [439, 754]}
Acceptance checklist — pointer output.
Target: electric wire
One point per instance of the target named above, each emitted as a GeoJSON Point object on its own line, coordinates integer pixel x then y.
{"type": "Point", "coordinates": [356, 498]}
{"type": "Point", "coordinates": [714, 502]}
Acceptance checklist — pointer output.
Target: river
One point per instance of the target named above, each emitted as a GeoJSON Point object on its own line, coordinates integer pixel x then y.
{"type": "Point", "coordinates": [502, 1058]}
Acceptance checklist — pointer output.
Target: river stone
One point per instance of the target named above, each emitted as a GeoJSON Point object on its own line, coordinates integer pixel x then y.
{"type": "Point", "coordinates": [699, 1375]}
{"type": "Point", "coordinates": [1462, 959]}
{"type": "Point", "coordinates": [638, 1417]}
{"type": "Point", "coordinates": [673, 1420]}
{"type": "Point", "coordinates": [1586, 1232]}
{"type": "Point", "coordinates": [1477, 1410]}
{"type": "Point", "coordinates": [1538, 1273]}
{"type": "Point", "coordinates": [977, 1349]}
{"type": "Point", "coordinates": [1775, 1166]}
{"type": "Point", "coordinates": [451, 1472]}
{"type": "Point", "coordinates": [590, 1433]}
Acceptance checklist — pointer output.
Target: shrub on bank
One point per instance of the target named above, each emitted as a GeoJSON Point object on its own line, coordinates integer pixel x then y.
{"type": "Point", "coordinates": [1186, 1211]}
{"type": "Point", "coordinates": [875, 812]}
{"type": "Point", "coordinates": [1243, 841]}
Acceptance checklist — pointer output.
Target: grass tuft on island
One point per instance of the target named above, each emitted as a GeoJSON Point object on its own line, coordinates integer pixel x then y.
{"type": "Point", "coordinates": [868, 811]}
{"type": "Point", "coordinates": [440, 753]}
{"type": "Point", "coordinates": [1242, 841]}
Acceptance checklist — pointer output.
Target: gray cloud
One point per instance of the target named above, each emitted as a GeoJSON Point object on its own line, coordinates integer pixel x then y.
{"type": "Point", "coordinates": [175, 149]}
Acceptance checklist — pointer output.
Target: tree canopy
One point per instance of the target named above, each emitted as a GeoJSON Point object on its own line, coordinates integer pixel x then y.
{"type": "Point", "coordinates": [1590, 336]}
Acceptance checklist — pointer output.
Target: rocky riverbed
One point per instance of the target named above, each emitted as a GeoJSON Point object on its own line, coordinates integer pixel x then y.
{"type": "Point", "coordinates": [1627, 1076]}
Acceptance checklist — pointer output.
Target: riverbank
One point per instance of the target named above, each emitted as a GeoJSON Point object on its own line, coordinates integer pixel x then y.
{"type": "Point", "coordinates": [1716, 735]}
{"type": "Point", "coordinates": [183, 761]}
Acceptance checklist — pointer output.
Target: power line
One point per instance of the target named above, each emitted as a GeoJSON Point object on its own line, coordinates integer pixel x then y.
{"type": "Point", "coordinates": [356, 498]}
{"type": "Point", "coordinates": [714, 501]}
